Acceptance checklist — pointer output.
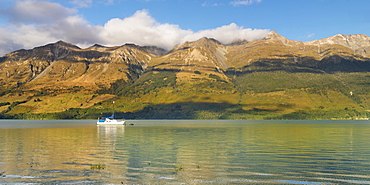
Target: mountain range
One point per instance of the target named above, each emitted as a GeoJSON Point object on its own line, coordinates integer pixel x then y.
{"type": "Point", "coordinates": [271, 78]}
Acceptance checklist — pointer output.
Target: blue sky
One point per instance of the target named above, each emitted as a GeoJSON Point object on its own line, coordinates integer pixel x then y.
{"type": "Point", "coordinates": [165, 23]}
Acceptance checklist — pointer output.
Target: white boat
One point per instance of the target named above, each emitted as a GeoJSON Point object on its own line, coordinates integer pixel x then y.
{"type": "Point", "coordinates": [110, 120]}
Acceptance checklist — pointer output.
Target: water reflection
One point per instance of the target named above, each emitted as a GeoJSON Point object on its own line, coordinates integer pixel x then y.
{"type": "Point", "coordinates": [110, 131]}
{"type": "Point", "coordinates": [219, 153]}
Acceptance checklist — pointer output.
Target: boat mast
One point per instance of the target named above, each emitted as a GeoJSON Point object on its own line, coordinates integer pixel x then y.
{"type": "Point", "coordinates": [113, 108]}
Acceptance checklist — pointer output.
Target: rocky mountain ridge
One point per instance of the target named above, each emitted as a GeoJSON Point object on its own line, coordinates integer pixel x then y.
{"type": "Point", "coordinates": [203, 71]}
{"type": "Point", "coordinates": [359, 43]}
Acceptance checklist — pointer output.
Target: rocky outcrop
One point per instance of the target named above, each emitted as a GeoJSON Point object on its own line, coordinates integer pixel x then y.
{"type": "Point", "coordinates": [99, 67]}
{"type": "Point", "coordinates": [359, 43]}
{"type": "Point", "coordinates": [291, 75]}
{"type": "Point", "coordinates": [67, 65]}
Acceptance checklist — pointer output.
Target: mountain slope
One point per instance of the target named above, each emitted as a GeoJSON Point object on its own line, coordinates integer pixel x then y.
{"type": "Point", "coordinates": [191, 73]}
{"type": "Point", "coordinates": [359, 43]}
{"type": "Point", "coordinates": [271, 78]}
{"type": "Point", "coordinates": [60, 69]}
{"type": "Point", "coordinates": [67, 65]}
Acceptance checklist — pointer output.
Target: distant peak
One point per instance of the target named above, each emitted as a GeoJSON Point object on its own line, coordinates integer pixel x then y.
{"type": "Point", "coordinates": [273, 32]}
{"type": "Point", "coordinates": [131, 45]}
{"type": "Point", "coordinates": [63, 43]}
{"type": "Point", "coordinates": [206, 39]}
{"type": "Point", "coordinates": [273, 35]}
{"type": "Point", "coordinates": [60, 41]}
{"type": "Point", "coordinates": [66, 44]}
{"type": "Point", "coordinates": [98, 45]}
{"type": "Point", "coordinates": [202, 42]}
{"type": "Point", "coordinates": [347, 36]}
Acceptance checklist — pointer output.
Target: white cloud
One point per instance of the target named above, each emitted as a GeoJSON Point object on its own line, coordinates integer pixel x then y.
{"type": "Point", "coordinates": [244, 2]}
{"type": "Point", "coordinates": [82, 3]}
{"type": "Point", "coordinates": [30, 35]}
{"type": "Point", "coordinates": [107, 2]}
{"type": "Point", "coordinates": [76, 30]}
{"type": "Point", "coordinates": [42, 23]}
{"type": "Point", "coordinates": [205, 3]}
{"type": "Point", "coordinates": [6, 42]}
{"type": "Point", "coordinates": [310, 35]}
{"type": "Point", "coordinates": [140, 28]}
{"type": "Point", "coordinates": [36, 12]}
{"type": "Point", "coordinates": [229, 33]}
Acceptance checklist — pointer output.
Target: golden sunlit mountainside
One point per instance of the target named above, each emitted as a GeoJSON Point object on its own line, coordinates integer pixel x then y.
{"type": "Point", "coordinates": [271, 78]}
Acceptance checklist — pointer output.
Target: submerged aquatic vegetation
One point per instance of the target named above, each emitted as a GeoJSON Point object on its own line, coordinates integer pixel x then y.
{"type": "Point", "coordinates": [97, 166]}
{"type": "Point", "coordinates": [178, 167]}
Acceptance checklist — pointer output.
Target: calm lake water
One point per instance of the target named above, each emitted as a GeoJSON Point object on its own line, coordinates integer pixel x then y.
{"type": "Point", "coordinates": [185, 152]}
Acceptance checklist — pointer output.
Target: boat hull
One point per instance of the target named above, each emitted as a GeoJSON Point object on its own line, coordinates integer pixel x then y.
{"type": "Point", "coordinates": [110, 122]}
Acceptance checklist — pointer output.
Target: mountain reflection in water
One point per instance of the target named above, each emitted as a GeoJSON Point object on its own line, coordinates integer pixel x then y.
{"type": "Point", "coordinates": [185, 151]}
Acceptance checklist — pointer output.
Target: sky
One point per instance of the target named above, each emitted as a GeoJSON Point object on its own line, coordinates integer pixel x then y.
{"type": "Point", "coordinates": [25, 24]}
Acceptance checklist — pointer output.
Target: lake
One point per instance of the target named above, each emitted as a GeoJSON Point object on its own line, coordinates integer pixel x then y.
{"type": "Point", "coordinates": [184, 152]}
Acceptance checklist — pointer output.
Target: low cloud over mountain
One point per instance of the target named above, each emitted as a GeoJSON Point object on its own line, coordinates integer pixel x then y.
{"type": "Point", "coordinates": [33, 23]}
